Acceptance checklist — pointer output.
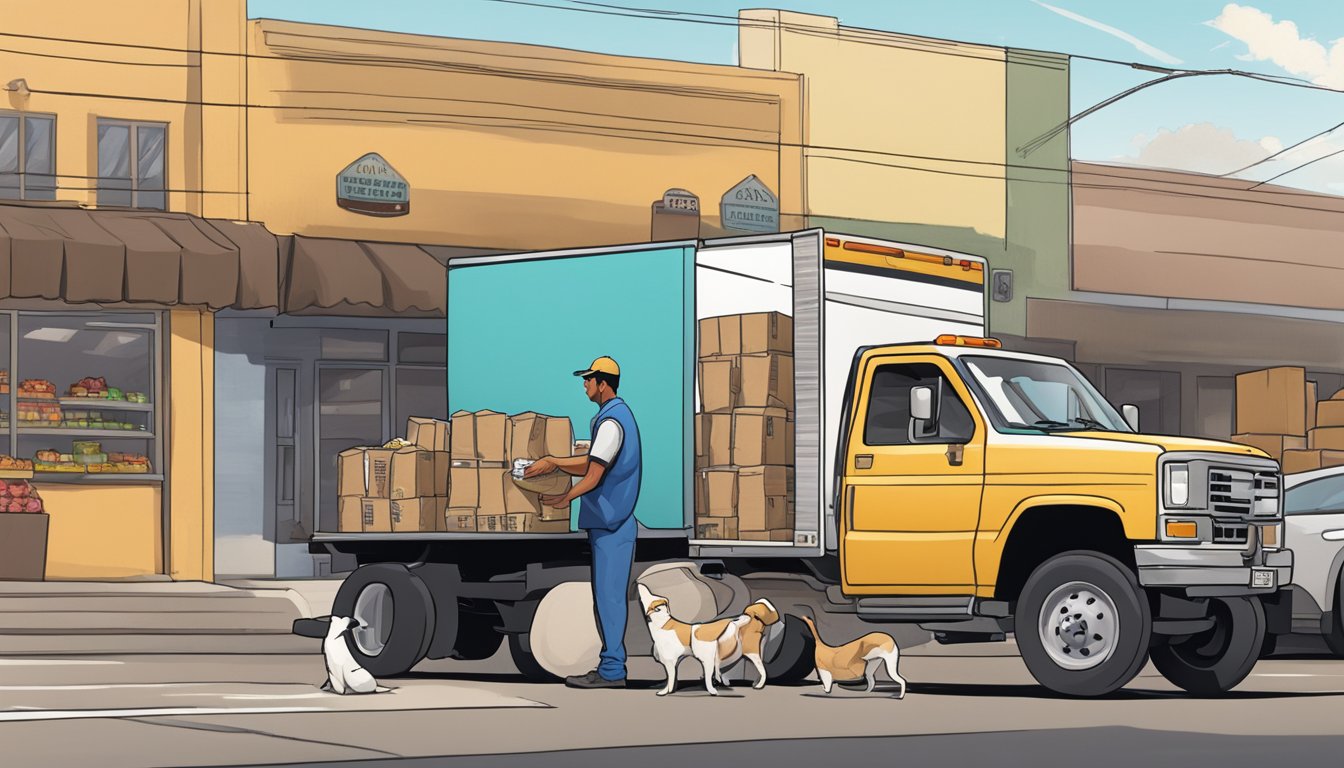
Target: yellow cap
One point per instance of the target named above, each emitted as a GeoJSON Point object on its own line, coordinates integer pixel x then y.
{"type": "Point", "coordinates": [601, 365]}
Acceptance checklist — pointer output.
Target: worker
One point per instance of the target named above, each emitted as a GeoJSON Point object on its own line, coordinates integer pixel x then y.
{"type": "Point", "coordinates": [607, 492]}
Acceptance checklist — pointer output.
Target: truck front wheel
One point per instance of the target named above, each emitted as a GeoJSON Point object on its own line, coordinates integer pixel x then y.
{"type": "Point", "coordinates": [397, 614]}
{"type": "Point", "coordinates": [1215, 660]}
{"type": "Point", "coordinates": [1083, 624]}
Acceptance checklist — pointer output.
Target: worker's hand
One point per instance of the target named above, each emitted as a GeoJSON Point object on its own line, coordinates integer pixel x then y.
{"type": "Point", "coordinates": [559, 500]}
{"type": "Point", "coordinates": [542, 466]}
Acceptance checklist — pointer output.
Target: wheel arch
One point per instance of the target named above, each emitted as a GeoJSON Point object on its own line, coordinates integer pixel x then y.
{"type": "Point", "coordinates": [1044, 526]}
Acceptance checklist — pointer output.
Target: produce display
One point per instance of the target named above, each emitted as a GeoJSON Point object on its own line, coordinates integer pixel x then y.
{"type": "Point", "coordinates": [96, 387]}
{"type": "Point", "coordinates": [35, 413]}
{"type": "Point", "coordinates": [80, 419]}
{"type": "Point", "coordinates": [9, 462]}
{"type": "Point", "coordinates": [89, 456]}
{"type": "Point", "coordinates": [4, 382]}
{"type": "Point", "coordinates": [37, 389]}
{"type": "Point", "coordinates": [19, 496]}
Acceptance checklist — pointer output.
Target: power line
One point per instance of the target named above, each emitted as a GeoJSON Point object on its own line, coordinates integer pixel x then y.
{"type": "Point", "coordinates": [1299, 167]}
{"type": "Point", "coordinates": [1285, 150]}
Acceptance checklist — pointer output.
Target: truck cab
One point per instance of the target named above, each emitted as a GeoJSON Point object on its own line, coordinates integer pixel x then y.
{"type": "Point", "coordinates": [980, 488]}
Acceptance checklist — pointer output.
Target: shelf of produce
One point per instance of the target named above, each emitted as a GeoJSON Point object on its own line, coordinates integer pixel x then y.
{"type": "Point", "coordinates": [96, 477]}
{"type": "Point", "coordinates": [16, 474]}
{"type": "Point", "coordinates": [99, 404]}
{"type": "Point", "coordinates": [78, 432]}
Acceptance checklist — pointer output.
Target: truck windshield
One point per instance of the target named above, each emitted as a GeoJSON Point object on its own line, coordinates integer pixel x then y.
{"type": "Point", "coordinates": [1051, 397]}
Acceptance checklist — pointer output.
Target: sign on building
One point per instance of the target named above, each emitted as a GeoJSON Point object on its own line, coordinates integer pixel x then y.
{"type": "Point", "coordinates": [750, 206]}
{"type": "Point", "coordinates": [373, 187]}
{"type": "Point", "coordinates": [676, 216]}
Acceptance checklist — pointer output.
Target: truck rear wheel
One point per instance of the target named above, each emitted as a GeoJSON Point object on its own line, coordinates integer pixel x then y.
{"type": "Point", "coordinates": [1083, 624]}
{"type": "Point", "coordinates": [398, 612]}
{"type": "Point", "coordinates": [520, 650]}
{"type": "Point", "coordinates": [1217, 659]}
{"type": "Point", "coordinates": [791, 655]}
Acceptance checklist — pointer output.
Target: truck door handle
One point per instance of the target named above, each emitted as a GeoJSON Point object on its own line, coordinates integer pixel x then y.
{"type": "Point", "coordinates": [955, 455]}
{"type": "Point", "coordinates": [863, 461]}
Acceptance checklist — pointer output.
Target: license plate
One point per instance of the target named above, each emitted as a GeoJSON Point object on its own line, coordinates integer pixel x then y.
{"type": "Point", "coordinates": [1262, 578]}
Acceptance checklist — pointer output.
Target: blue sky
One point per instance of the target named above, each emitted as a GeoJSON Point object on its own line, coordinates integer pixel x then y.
{"type": "Point", "coordinates": [1207, 124]}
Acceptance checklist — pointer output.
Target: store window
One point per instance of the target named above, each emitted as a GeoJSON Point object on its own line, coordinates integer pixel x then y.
{"type": "Point", "coordinates": [1156, 393]}
{"type": "Point", "coordinates": [132, 164]}
{"type": "Point", "coordinates": [27, 156]}
{"type": "Point", "coordinates": [83, 391]}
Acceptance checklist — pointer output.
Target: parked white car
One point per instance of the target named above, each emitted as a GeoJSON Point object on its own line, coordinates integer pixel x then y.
{"type": "Point", "coordinates": [1314, 530]}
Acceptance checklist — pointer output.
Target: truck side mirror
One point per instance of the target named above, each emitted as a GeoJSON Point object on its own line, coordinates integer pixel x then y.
{"type": "Point", "coordinates": [1131, 414]}
{"type": "Point", "coordinates": [921, 403]}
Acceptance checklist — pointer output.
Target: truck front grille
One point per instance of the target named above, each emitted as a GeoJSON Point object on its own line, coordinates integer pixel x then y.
{"type": "Point", "coordinates": [1235, 491]}
{"type": "Point", "coordinates": [1225, 532]}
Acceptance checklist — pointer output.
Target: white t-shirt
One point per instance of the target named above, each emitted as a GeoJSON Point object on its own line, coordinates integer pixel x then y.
{"type": "Point", "coordinates": [607, 442]}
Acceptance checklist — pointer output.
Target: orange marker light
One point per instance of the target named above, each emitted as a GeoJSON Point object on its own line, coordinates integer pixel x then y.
{"type": "Point", "coordinates": [834, 242]}
{"type": "Point", "coordinates": [1182, 529]}
{"type": "Point", "coordinates": [881, 250]}
{"type": "Point", "coordinates": [950, 340]}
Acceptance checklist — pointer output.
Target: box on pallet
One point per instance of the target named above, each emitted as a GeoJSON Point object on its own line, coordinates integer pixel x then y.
{"type": "Point", "coordinates": [766, 380]}
{"type": "Point", "coordinates": [760, 436]}
{"type": "Point", "coordinates": [763, 498]}
{"type": "Point", "coordinates": [714, 439]}
{"type": "Point", "coordinates": [1307, 460]}
{"type": "Point", "coordinates": [518, 501]}
{"type": "Point", "coordinates": [480, 436]}
{"type": "Point", "coordinates": [418, 514]}
{"type": "Point", "coordinates": [459, 519]}
{"type": "Point", "coordinates": [718, 493]}
{"type": "Point", "coordinates": [519, 523]}
{"type": "Point", "coordinates": [533, 435]}
{"type": "Point", "coordinates": [491, 483]}
{"type": "Point", "coordinates": [1274, 445]}
{"type": "Point", "coordinates": [766, 332]}
{"type": "Point", "coordinates": [412, 473]}
{"type": "Point", "coordinates": [464, 486]}
{"type": "Point", "coordinates": [349, 515]}
{"type": "Point", "coordinates": [364, 472]}
{"type": "Point", "coordinates": [426, 433]}
{"type": "Point", "coordinates": [720, 384]}
{"type": "Point", "coordinates": [1272, 402]}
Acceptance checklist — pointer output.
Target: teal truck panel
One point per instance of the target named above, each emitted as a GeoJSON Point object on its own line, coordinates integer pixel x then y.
{"type": "Point", "coordinates": [518, 328]}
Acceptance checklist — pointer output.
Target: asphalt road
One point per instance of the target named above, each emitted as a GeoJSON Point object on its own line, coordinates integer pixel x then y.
{"type": "Point", "coordinates": [965, 703]}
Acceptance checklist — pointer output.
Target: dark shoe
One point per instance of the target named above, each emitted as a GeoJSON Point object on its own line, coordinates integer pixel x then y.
{"type": "Point", "coordinates": [593, 680]}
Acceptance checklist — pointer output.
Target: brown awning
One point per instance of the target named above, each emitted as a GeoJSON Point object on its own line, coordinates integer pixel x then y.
{"type": "Point", "coordinates": [114, 256]}
{"type": "Point", "coordinates": [349, 277]}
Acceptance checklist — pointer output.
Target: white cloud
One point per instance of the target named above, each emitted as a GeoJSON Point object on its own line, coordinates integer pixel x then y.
{"type": "Point", "coordinates": [1156, 53]}
{"type": "Point", "coordinates": [1312, 165]}
{"type": "Point", "coordinates": [1199, 147]}
{"type": "Point", "coordinates": [1281, 43]}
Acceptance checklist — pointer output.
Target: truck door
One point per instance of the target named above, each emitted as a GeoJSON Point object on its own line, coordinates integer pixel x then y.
{"type": "Point", "coordinates": [911, 496]}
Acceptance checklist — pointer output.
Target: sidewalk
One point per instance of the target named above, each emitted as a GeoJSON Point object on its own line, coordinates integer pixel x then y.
{"type": "Point", "coordinates": [80, 617]}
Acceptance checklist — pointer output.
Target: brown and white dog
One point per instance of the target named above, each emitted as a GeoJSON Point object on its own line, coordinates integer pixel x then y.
{"type": "Point", "coordinates": [762, 614]}
{"type": "Point", "coordinates": [856, 659]}
{"type": "Point", "coordinates": [715, 644]}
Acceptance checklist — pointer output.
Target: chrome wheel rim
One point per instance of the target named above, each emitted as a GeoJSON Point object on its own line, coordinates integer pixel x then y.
{"type": "Point", "coordinates": [373, 608]}
{"type": "Point", "coordinates": [1078, 626]}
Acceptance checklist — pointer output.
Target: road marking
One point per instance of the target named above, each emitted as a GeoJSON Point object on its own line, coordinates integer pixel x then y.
{"type": "Point", "coordinates": [112, 714]}
{"type": "Point", "coordinates": [51, 662]}
{"type": "Point", "coordinates": [1295, 674]}
{"type": "Point", "coordinates": [256, 696]}
{"type": "Point", "coordinates": [102, 686]}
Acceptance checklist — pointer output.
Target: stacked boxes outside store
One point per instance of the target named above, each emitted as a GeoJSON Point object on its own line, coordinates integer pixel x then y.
{"type": "Point", "coordinates": [452, 476]}
{"type": "Point", "coordinates": [744, 429]}
{"type": "Point", "coordinates": [1278, 412]}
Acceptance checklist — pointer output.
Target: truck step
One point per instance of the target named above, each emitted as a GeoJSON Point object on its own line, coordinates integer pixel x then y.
{"type": "Point", "coordinates": [915, 609]}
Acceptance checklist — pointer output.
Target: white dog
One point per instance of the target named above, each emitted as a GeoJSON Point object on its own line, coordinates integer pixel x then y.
{"type": "Point", "coordinates": [344, 675]}
{"type": "Point", "coordinates": [716, 644]}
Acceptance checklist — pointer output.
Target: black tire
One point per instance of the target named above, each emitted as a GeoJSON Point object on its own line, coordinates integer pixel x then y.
{"type": "Point", "coordinates": [1133, 624]}
{"type": "Point", "coordinates": [411, 621]}
{"type": "Point", "coordinates": [477, 637]}
{"type": "Point", "coordinates": [1214, 661]}
{"type": "Point", "coordinates": [1334, 636]}
{"type": "Point", "coordinates": [1269, 646]}
{"type": "Point", "coordinates": [795, 657]}
{"type": "Point", "coordinates": [526, 663]}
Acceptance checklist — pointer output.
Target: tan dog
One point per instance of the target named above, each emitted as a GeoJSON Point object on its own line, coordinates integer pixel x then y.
{"type": "Point", "coordinates": [857, 659]}
{"type": "Point", "coordinates": [715, 644]}
{"type": "Point", "coordinates": [762, 614]}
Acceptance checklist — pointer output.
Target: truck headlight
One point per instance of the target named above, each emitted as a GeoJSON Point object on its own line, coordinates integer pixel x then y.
{"type": "Point", "coordinates": [1178, 485]}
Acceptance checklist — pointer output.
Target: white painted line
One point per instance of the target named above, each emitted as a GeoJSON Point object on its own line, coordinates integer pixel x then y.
{"type": "Point", "coordinates": [112, 714]}
{"type": "Point", "coordinates": [1294, 674]}
{"type": "Point", "coordinates": [102, 686]}
{"type": "Point", "coordinates": [256, 696]}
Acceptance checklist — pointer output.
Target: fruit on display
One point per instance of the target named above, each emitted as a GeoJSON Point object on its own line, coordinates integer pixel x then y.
{"type": "Point", "coordinates": [37, 389]}
{"type": "Point", "coordinates": [39, 413]}
{"type": "Point", "coordinates": [89, 456]}
{"type": "Point", "coordinates": [19, 496]}
{"type": "Point", "coordinates": [4, 382]}
{"type": "Point", "coordinates": [9, 462]}
{"type": "Point", "coordinates": [89, 386]}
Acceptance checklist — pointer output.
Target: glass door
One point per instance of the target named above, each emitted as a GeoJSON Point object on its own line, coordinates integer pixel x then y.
{"type": "Point", "coordinates": [351, 411]}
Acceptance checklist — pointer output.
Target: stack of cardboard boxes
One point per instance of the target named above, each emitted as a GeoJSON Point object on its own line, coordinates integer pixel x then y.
{"type": "Point", "coordinates": [1278, 412]}
{"type": "Point", "coordinates": [453, 476]}
{"type": "Point", "coordinates": [744, 440]}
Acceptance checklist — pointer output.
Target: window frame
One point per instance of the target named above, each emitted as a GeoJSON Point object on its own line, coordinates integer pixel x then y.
{"type": "Point", "coordinates": [134, 127]}
{"type": "Point", "coordinates": [22, 171]}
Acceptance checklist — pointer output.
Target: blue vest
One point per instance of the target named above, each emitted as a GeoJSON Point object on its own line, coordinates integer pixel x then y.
{"type": "Point", "coordinates": [612, 502]}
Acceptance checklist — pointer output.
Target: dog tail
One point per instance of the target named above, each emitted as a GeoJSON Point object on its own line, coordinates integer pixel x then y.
{"type": "Point", "coordinates": [811, 625]}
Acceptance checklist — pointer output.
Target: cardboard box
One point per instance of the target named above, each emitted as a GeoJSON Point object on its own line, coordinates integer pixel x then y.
{"type": "Point", "coordinates": [716, 528]}
{"type": "Point", "coordinates": [350, 473]}
{"type": "Point", "coordinates": [1330, 413]}
{"type": "Point", "coordinates": [443, 462]}
{"type": "Point", "coordinates": [763, 498]}
{"type": "Point", "coordinates": [760, 436]}
{"type": "Point", "coordinates": [533, 435]}
{"type": "Point", "coordinates": [1326, 438]}
{"type": "Point", "coordinates": [1312, 397]}
{"type": "Point", "coordinates": [552, 515]}
{"type": "Point", "coordinates": [701, 440]}
{"type": "Point", "coordinates": [720, 384]}
{"type": "Point", "coordinates": [709, 338]}
{"type": "Point", "coordinates": [790, 443]}
{"type": "Point", "coordinates": [1339, 395]}
{"type": "Point", "coordinates": [518, 501]}
{"type": "Point", "coordinates": [426, 433]}
{"type": "Point", "coordinates": [410, 515]}
{"type": "Point", "coordinates": [1305, 461]}
{"type": "Point", "coordinates": [1272, 402]}
{"type": "Point", "coordinates": [730, 334]}
{"type": "Point", "coordinates": [412, 473]}
{"type": "Point", "coordinates": [766, 381]}
{"type": "Point", "coordinates": [462, 435]}
{"type": "Point", "coordinates": [1274, 445]}
{"type": "Point", "coordinates": [492, 428]}
{"type": "Point", "coordinates": [492, 491]}
{"type": "Point", "coordinates": [464, 486]}
{"type": "Point", "coordinates": [714, 439]}
{"type": "Point", "coordinates": [518, 523]}
{"type": "Point", "coordinates": [767, 332]}
{"type": "Point", "coordinates": [350, 517]}
{"type": "Point", "coordinates": [459, 519]}
{"type": "Point", "coordinates": [376, 515]}
{"type": "Point", "coordinates": [378, 472]}
{"type": "Point", "coordinates": [781, 534]}
{"type": "Point", "coordinates": [720, 493]}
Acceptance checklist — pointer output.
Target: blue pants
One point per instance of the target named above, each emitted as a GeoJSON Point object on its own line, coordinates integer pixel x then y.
{"type": "Point", "coordinates": [613, 557]}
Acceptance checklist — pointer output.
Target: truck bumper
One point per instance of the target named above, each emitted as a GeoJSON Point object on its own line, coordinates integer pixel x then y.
{"type": "Point", "coordinates": [1208, 572]}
